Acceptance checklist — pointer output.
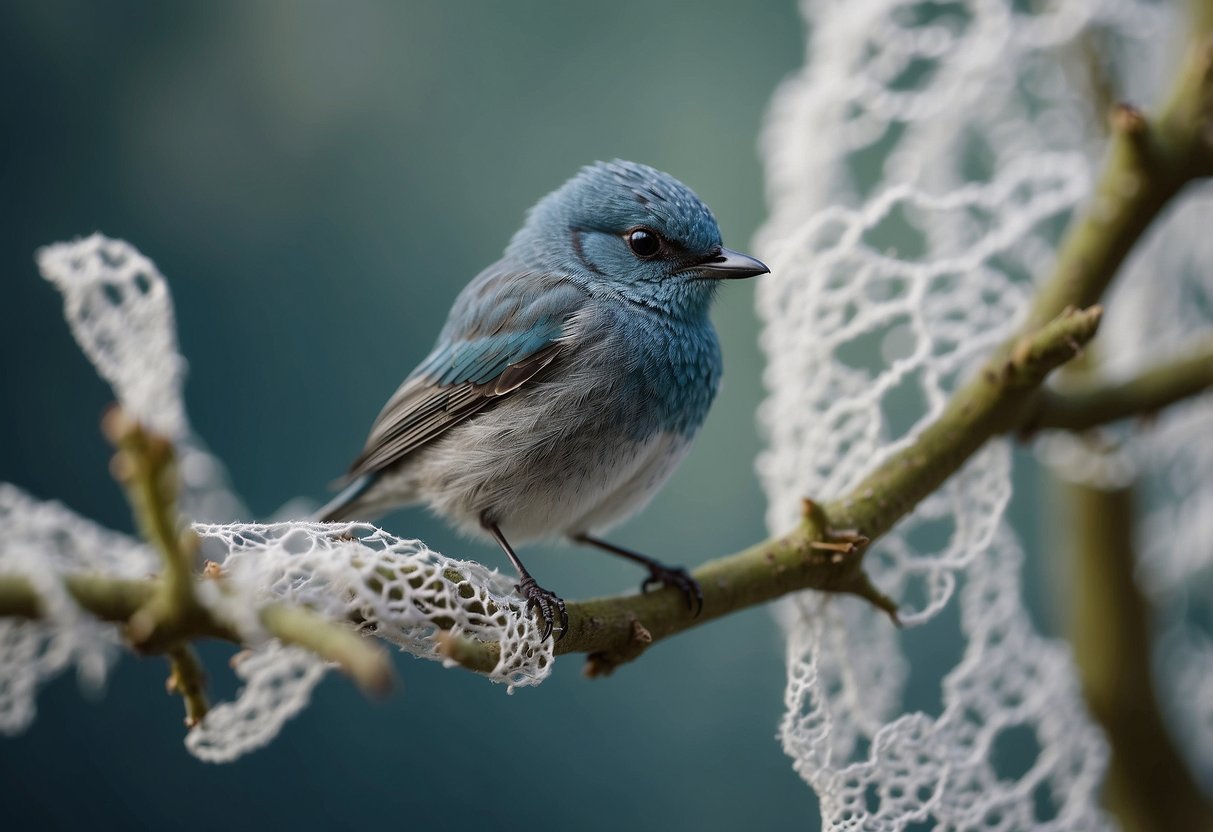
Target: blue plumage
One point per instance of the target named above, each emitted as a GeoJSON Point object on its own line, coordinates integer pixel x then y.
{"type": "Point", "coordinates": [569, 378]}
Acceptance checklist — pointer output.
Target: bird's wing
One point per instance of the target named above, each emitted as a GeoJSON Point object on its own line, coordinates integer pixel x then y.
{"type": "Point", "coordinates": [504, 330]}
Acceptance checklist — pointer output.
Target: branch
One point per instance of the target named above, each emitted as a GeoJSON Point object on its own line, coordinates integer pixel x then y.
{"type": "Point", "coordinates": [144, 465]}
{"type": "Point", "coordinates": [1080, 406]}
{"type": "Point", "coordinates": [363, 662]}
{"type": "Point", "coordinates": [188, 679]}
{"type": "Point", "coordinates": [1148, 786]}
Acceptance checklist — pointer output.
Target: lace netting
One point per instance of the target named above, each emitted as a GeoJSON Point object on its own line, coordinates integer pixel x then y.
{"type": "Point", "coordinates": [398, 590]}
{"type": "Point", "coordinates": [943, 770]}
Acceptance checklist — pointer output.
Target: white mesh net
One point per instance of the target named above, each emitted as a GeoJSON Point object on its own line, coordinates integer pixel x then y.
{"type": "Point", "coordinates": [942, 772]}
{"type": "Point", "coordinates": [119, 310]}
{"type": "Point", "coordinates": [920, 170]}
{"type": "Point", "coordinates": [398, 590]}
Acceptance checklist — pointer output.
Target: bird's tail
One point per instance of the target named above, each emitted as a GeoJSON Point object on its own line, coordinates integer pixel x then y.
{"type": "Point", "coordinates": [345, 505]}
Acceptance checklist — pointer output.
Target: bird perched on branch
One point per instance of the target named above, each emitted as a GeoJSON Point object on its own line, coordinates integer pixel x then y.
{"type": "Point", "coordinates": [569, 379]}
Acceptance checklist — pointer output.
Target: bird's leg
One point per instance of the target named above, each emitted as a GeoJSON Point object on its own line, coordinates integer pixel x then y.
{"type": "Point", "coordinates": [544, 600]}
{"type": "Point", "coordinates": [659, 573]}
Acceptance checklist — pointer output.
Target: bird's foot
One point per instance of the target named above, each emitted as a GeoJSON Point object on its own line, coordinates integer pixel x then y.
{"type": "Point", "coordinates": [547, 602]}
{"type": "Point", "coordinates": [678, 578]}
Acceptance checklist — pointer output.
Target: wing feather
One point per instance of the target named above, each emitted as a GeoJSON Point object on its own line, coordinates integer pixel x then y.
{"type": "Point", "coordinates": [533, 322]}
{"type": "Point", "coordinates": [422, 411]}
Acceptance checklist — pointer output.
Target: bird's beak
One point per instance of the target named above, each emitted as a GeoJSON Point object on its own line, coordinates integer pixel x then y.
{"type": "Point", "coordinates": [730, 265]}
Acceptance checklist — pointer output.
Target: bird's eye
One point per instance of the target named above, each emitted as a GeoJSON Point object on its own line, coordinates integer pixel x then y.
{"type": "Point", "coordinates": [644, 243]}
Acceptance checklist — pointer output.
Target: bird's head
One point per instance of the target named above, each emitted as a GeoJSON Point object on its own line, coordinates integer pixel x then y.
{"type": "Point", "coordinates": [627, 229]}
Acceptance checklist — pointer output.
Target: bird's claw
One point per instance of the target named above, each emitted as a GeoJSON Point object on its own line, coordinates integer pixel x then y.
{"type": "Point", "coordinates": [547, 602]}
{"type": "Point", "coordinates": [681, 580]}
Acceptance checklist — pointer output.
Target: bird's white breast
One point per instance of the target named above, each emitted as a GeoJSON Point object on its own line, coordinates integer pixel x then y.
{"type": "Point", "coordinates": [538, 483]}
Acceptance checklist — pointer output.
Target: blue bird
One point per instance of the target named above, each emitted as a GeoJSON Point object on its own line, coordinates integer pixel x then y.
{"type": "Point", "coordinates": [569, 379]}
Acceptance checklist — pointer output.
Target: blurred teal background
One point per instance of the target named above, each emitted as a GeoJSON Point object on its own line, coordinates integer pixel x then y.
{"type": "Point", "coordinates": [317, 181]}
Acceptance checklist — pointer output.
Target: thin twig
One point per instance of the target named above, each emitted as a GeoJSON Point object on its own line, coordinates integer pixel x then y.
{"type": "Point", "coordinates": [1079, 406]}
{"type": "Point", "coordinates": [188, 679]}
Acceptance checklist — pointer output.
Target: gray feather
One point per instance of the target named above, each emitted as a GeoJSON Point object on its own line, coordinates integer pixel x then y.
{"type": "Point", "coordinates": [422, 410]}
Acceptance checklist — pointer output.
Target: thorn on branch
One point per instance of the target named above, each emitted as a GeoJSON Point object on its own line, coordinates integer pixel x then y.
{"type": "Point", "coordinates": [825, 538]}
{"type": "Point", "coordinates": [597, 665]}
{"type": "Point", "coordinates": [603, 662]}
{"type": "Point", "coordinates": [1127, 119]}
{"type": "Point", "coordinates": [841, 547]}
{"type": "Point", "coordinates": [1131, 125]}
{"type": "Point", "coordinates": [641, 635]}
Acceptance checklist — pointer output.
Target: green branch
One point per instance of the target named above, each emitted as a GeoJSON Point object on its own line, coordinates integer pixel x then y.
{"type": "Point", "coordinates": [145, 466]}
{"type": "Point", "coordinates": [1148, 786]}
{"type": "Point", "coordinates": [367, 665]}
{"type": "Point", "coordinates": [1079, 406]}
{"type": "Point", "coordinates": [188, 679]}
